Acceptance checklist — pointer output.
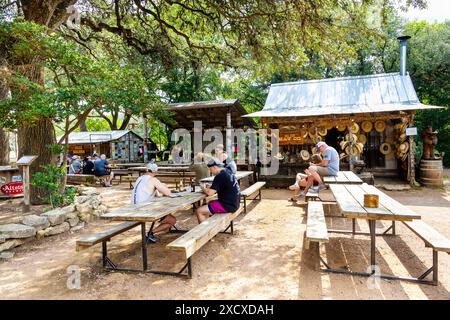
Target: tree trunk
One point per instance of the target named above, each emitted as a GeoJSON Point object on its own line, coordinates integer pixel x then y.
{"type": "Point", "coordinates": [34, 139]}
{"type": "Point", "coordinates": [4, 147]}
{"type": "Point", "coordinates": [83, 126]}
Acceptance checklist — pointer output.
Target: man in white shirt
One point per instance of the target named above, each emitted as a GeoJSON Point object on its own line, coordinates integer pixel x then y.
{"type": "Point", "coordinates": [146, 188]}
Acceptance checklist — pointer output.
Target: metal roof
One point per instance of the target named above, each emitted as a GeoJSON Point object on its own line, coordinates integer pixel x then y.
{"type": "Point", "coordinates": [212, 113]}
{"type": "Point", "coordinates": [346, 95]}
{"type": "Point", "coordinates": [87, 137]}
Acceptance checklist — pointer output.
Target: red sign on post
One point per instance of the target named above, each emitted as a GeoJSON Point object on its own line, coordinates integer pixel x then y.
{"type": "Point", "coordinates": [12, 188]}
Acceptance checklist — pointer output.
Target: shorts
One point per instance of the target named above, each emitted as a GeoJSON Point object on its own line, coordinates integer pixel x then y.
{"type": "Point", "coordinates": [322, 171]}
{"type": "Point", "coordinates": [216, 207]}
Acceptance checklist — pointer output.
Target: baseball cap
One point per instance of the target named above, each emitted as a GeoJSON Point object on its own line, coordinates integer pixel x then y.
{"type": "Point", "coordinates": [153, 167]}
{"type": "Point", "coordinates": [320, 143]}
{"type": "Point", "coordinates": [215, 162]}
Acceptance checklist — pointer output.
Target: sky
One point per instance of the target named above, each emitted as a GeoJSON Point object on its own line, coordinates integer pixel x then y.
{"type": "Point", "coordinates": [437, 11]}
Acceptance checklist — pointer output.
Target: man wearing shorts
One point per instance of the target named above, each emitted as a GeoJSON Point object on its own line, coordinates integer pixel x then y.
{"type": "Point", "coordinates": [328, 167]}
{"type": "Point", "coordinates": [227, 188]}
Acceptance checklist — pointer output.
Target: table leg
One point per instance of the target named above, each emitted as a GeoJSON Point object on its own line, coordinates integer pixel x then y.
{"type": "Point", "coordinates": [372, 224]}
{"type": "Point", "coordinates": [144, 247]}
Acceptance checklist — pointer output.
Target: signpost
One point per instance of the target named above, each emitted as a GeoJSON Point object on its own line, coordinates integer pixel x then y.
{"type": "Point", "coordinates": [25, 163]}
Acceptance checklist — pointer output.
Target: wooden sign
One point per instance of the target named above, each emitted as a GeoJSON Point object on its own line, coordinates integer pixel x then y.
{"type": "Point", "coordinates": [26, 160]}
{"type": "Point", "coordinates": [290, 138]}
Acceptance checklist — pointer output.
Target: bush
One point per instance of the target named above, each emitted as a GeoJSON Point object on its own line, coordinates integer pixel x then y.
{"type": "Point", "coordinates": [50, 179]}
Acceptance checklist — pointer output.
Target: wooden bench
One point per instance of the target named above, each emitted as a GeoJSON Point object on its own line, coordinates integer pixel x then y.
{"type": "Point", "coordinates": [316, 228]}
{"type": "Point", "coordinates": [194, 239]}
{"type": "Point", "coordinates": [256, 187]}
{"type": "Point", "coordinates": [104, 236]}
{"type": "Point", "coordinates": [86, 179]}
{"type": "Point", "coordinates": [312, 195]}
{"type": "Point", "coordinates": [434, 240]}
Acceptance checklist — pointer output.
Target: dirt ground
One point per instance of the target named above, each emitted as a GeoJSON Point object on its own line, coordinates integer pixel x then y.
{"type": "Point", "coordinates": [265, 259]}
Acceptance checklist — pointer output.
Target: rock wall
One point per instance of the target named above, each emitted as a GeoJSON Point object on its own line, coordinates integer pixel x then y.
{"type": "Point", "coordinates": [88, 206]}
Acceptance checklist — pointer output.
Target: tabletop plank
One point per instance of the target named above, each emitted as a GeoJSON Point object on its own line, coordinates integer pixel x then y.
{"type": "Point", "coordinates": [400, 210]}
{"type": "Point", "coordinates": [380, 213]}
{"type": "Point", "coordinates": [352, 177]}
{"type": "Point", "coordinates": [155, 209]}
{"type": "Point", "coordinates": [239, 175]}
{"type": "Point", "coordinates": [347, 204]}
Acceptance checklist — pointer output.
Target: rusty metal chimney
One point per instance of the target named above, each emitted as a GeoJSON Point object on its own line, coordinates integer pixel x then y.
{"type": "Point", "coordinates": [403, 46]}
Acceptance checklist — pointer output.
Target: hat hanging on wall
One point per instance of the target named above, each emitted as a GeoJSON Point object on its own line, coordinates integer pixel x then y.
{"type": "Point", "coordinates": [366, 126]}
{"type": "Point", "coordinates": [341, 127]}
{"type": "Point", "coordinates": [385, 148]}
{"type": "Point", "coordinates": [362, 138]}
{"type": "Point", "coordinates": [353, 128]}
{"type": "Point", "coordinates": [305, 155]}
{"type": "Point", "coordinates": [322, 131]}
{"type": "Point", "coordinates": [380, 125]}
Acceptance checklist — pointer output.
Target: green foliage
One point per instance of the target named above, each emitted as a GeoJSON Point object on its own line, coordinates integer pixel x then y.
{"type": "Point", "coordinates": [50, 179]}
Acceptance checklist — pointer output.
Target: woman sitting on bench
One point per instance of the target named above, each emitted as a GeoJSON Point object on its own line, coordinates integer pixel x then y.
{"type": "Point", "coordinates": [301, 179]}
{"type": "Point", "coordinates": [145, 189]}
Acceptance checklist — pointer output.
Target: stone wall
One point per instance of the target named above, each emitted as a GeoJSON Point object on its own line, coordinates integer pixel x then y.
{"type": "Point", "coordinates": [88, 206]}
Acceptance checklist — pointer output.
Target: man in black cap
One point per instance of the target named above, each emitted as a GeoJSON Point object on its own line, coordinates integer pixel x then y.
{"type": "Point", "coordinates": [227, 188]}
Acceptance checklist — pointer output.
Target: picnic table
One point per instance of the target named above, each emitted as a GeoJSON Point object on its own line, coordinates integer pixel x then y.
{"type": "Point", "coordinates": [151, 212]}
{"type": "Point", "coordinates": [343, 177]}
{"type": "Point", "coordinates": [350, 200]}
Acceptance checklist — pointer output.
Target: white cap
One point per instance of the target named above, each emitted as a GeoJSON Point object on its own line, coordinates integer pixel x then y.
{"type": "Point", "coordinates": [320, 143]}
{"type": "Point", "coordinates": [153, 167]}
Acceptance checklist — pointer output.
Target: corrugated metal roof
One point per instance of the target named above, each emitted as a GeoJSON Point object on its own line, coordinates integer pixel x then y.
{"type": "Point", "coordinates": [347, 95]}
{"type": "Point", "coordinates": [96, 136]}
{"type": "Point", "coordinates": [201, 104]}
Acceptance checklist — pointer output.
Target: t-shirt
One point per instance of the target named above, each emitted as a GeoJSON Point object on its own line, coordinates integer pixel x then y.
{"type": "Point", "coordinates": [331, 154]}
{"type": "Point", "coordinates": [75, 167]}
{"type": "Point", "coordinates": [88, 167]}
{"type": "Point", "coordinates": [99, 165]}
{"type": "Point", "coordinates": [230, 165]}
{"type": "Point", "coordinates": [228, 191]}
{"type": "Point", "coordinates": [144, 189]}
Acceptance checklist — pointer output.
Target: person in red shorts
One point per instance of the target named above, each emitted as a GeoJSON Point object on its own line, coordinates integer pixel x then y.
{"type": "Point", "coordinates": [227, 188]}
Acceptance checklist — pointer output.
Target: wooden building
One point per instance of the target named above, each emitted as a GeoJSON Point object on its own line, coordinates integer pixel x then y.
{"type": "Point", "coordinates": [119, 145]}
{"type": "Point", "coordinates": [365, 118]}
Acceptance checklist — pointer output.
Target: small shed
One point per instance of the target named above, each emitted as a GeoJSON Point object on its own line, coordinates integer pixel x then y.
{"type": "Point", "coordinates": [120, 145]}
{"type": "Point", "coordinates": [363, 117]}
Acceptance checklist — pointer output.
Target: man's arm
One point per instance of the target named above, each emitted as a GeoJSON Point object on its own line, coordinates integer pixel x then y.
{"type": "Point", "coordinates": [208, 191]}
{"type": "Point", "coordinates": [161, 187]}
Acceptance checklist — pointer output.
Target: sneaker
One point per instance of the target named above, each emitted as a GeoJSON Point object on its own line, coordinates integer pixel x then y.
{"type": "Point", "coordinates": [152, 238]}
{"type": "Point", "coordinates": [321, 187]}
{"type": "Point", "coordinates": [301, 195]}
{"type": "Point", "coordinates": [294, 187]}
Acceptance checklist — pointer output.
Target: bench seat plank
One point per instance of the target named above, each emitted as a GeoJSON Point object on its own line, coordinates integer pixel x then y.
{"type": "Point", "coordinates": [193, 240]}
{"type": "Point", "coordinates": [429, 235]}
{"type": "Point", "coordinates": [92, 239]}
{"type": "Point", "coordinates": [253, 188]}
{"type": "Point", "coordinates": [316, 228]}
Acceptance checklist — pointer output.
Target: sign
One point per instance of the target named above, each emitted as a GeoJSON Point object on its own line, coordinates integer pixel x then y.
{"type": "Point", "coordinates": [26, 160]}
{"type": "Point", "coordinates": [12, 188]}
{"type": "Point", "coordinates": [412, 131]}
{"type": "Point", "coordinates": [290, 138]}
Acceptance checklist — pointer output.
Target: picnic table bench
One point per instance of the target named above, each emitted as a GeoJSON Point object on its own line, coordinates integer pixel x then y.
{"type": "Point", "coordinates": [350, 200]}
{"type": "Point", "coordinates": [153, 211]}
{"type": "Point", "coordinates": [256, 187]}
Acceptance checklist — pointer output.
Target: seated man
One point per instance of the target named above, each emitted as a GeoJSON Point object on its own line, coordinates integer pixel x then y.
{"type": "Point", "coordinates": [146, 188]}
{"type": "Point", "coordinates": [75, 166]}
{"type": "Point", "coordinates": [227, 188]}
{"type": "Point", "coordinates": [301, 179]}
{"type": "Point", "coordinates": [328, 167]}
{"type": "Point", "coordinates": [102, 169]}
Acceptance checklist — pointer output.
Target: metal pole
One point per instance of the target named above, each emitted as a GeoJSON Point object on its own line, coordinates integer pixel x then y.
{"type": "Point", "coordinates": [144, 118]}
{"type": "Point", "coordinates": [144, 247]}
{"type": "Point", "coordinates": [372, 245]}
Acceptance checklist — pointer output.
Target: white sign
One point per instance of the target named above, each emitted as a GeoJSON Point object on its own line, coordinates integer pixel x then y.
{"type": "Point", "coordinates": [411, 131]}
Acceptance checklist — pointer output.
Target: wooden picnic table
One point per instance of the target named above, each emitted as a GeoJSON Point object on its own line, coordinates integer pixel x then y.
{"type": "Point", "coordinates": [152, 211]}
{"type": "Point", "coordinates": [129, 165]}
{"type": "Point", "coordinates": [343, 177]}
{"type": "Point", "coordinates": [350, 200]}
{"type": "Point", "coordinates": [239, 175]}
